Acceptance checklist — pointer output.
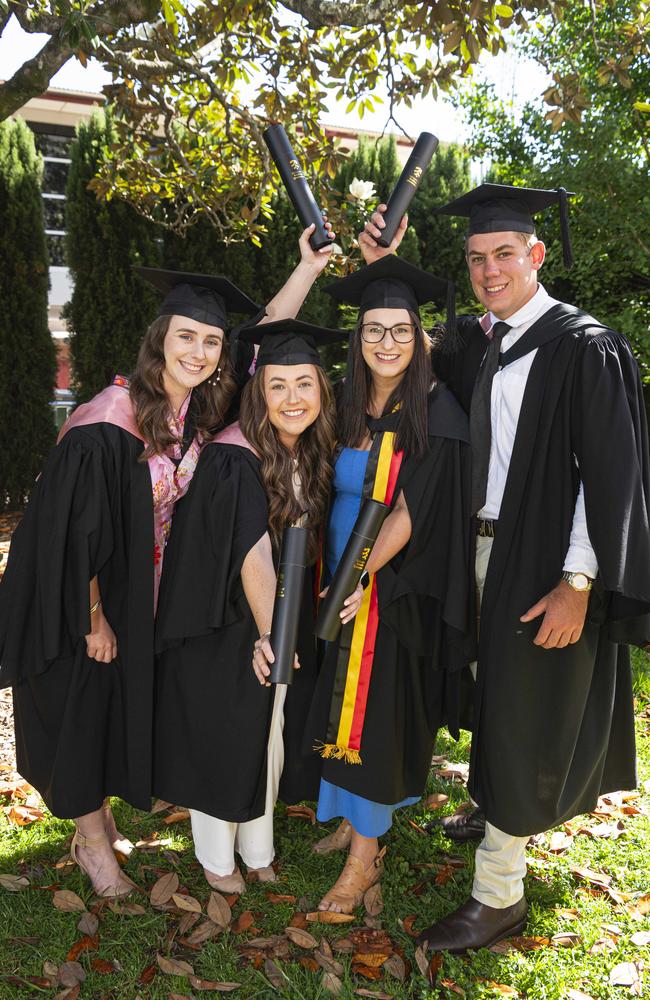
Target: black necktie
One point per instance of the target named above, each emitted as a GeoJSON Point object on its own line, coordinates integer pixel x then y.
{"type": "Point", "coordinates": [480, 417]}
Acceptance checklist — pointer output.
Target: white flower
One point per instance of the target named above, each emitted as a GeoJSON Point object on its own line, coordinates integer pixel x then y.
{"type": "Point", "coordinates": [361, 190]}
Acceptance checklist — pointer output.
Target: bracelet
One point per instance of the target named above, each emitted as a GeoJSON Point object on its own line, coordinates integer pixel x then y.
{"type": "Point", "coordinates": [95, 606]}
{"type": "Point", "coordinates": [265, 635]}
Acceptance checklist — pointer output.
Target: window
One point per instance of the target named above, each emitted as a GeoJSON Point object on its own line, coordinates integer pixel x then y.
{"type": "Point", "coordinates": [53, 142]}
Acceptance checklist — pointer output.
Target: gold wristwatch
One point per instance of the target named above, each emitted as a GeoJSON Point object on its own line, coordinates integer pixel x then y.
{"type": "Point", "coordinates": [578, 581]}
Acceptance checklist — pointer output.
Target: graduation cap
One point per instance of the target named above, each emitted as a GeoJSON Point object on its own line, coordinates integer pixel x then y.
{"type": "Point", "coordinates": [289, 341]}
{"type": "Point", "coordinates": [499, 208]}
{"type": "Point", "coordinates": [393, 283]}
{"type": "Point", "coordinates": [206, 298]}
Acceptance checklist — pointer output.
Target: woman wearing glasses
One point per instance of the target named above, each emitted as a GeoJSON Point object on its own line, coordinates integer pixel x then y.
{"type": "Point", "coordinates": [391, 679]}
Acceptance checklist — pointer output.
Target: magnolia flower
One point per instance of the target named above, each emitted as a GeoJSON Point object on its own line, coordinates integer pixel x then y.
{"type": "Point", "coordinates": [361, 190]}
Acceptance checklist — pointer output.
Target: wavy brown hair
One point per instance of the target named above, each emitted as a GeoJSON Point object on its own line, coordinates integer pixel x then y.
{"type": "Point", "coordinates": [314, 451]}
{"type": "Point", "coordinates": [152, 410]}
{"type": "Point", "coordinates": [410, 395]}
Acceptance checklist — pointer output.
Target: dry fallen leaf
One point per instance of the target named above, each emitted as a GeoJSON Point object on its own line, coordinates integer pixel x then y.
{"type": "Point", "coordinates": [565, 939]}
{"type": "Point", "coordinates": [624, 974]}
{"type": "Point", "coordinates": [14, 883]}
{"type": "Point", "coordinates": [367, 971]}
{"type": "Point", "coordinates": [560, 842]}
{"type": "Point", "coordinates": [218, 910]}
{"type": "Point", "coordinates": [205, 984]}
{"type": "Point", "coordinates": [374, 993]}
{"type": "Point", "coordinates": [159, 806]}
{"type": "Point", "coordinates": [595, 878]}
{"type": "Point", "coordinates": [302, 812]}
{"type": "Point", "coordinates": [330, 917]}
{"type": "Point", "coordinates": [101, 966]}
{"type": "Point", "coordinates": [407, 924]}
{"type": "Point", "coordinates": [577, 995]}
{"type": "Point", "coordinates": [204, 932]}
{"type": "Point", "coordinates": [68, 902]}
{"type": "Point", "coordinates": [299, 919]}
{"type": "Point", "coordinates": [396, 966]}
{"type": "Point", "coordinates": [421, 960]}
{"type": "Point", "coordinates": [126, 908]}
{"type": "Point", "coordinates": [331, 984]}
{"type": "Point", "coordinates": [435, 966]}
{"type": "Point", "coordinates": [373, 900]}
{"type": "Point", "coordinates": [567, 913]}
{"type": "Point", "coordinates": [435, 801]}
{"type": "Point", "coordinates": [188, 903]}
{"type": "Point", "coordinates": [88, 923]}
{"type": "Point", "coordinates": [163, 890]}
{"type": "Point", "coordinates": [24, 815]}
{"type": "Point", "coordinates": [173, 966]}
{"type": "Point", "coordinates": [449, 984]}
{"type": "Point", "coordinates": [302, 938]}
{"type": "Point", "coordinates": [374, 959]}
{"type": "Point", "coordinates": [509, 991]}
{"type": "Point", "coordinates": [274, 897]}
{"type": "Point", "coordinates": [640, 939]}
{"type": "Point", "coordinates": [243, 922]}
{"type": "Point", "coordinates": [86, 943]}
{"type": "Point", "coordinates": [71, 973]}
{"type": "Point", "coordinates": [70, 994]}
{"type": "Point", "coordinates": [176, 817]}
{"type": "Point", "coordinates": [309, 963]}
{"type": "Point", "coordinates": [275, 976]}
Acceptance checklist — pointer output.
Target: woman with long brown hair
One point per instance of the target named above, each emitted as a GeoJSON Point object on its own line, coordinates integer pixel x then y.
{"type": "Point", "coordinates": [271, 470]}
{"type": "Point", "coordinates": [390, 680]}
{"type": "Point", "coordinates": [77, 601]}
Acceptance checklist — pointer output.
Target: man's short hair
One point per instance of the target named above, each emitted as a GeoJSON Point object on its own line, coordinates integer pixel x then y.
{"type": "Point", "coordinates": [528, 239]}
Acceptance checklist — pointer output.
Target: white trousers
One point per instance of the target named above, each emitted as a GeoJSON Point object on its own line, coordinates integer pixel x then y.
{"type": "Point", "coordinates": [500, 858]}
{"type": "Point", "coordinates": [216, 840]}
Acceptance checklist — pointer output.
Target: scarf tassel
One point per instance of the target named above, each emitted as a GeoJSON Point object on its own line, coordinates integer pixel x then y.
{"type": "Point", "coordinates": [334, 752]}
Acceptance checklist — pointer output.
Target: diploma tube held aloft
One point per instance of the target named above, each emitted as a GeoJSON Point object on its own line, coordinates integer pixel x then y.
{"type": "Point", "coordinates": [352, 564]}
{"type": "Point", "coordinates": [288, 597]}
{"type": "Point", "coordinates": [407, 184]}
{"type": "Point", "coordinates": [296, 185]}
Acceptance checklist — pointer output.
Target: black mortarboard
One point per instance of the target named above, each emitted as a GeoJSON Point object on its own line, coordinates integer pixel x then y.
{"type": "Point", "coordinates": [289, 341]}
{"type": "Point", "coordinates": [499, 208]}
{"type": "Point", "coordinates": [393, 283]}
{"type": "Point", "coordinates": [207, 298]}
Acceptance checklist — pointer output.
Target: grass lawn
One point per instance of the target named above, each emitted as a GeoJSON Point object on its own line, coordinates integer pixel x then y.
{"type": "Point", "coordinates": [603, 923]}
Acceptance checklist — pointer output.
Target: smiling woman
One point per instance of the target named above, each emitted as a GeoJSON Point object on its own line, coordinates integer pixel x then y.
{"type": "Point", "coordinates": [93, 540]}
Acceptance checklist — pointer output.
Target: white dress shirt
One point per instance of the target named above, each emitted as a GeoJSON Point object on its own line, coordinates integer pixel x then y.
{"type": "Point", "coordinates": [508, 389]}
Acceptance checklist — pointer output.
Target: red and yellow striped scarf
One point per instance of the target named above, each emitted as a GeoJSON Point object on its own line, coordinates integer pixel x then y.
{"type": "Point", "coordinates": [357, 643]}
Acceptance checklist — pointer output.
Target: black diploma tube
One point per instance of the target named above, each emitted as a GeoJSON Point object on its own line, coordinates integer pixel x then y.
{"type": "Point", "coordinates": [296, 185]}
{"type": "Point", "coordinates": [288, 597]}
{"type": "Point", "coordinates": [407, 184]}
{"type": "Point", "coordinates": [350, 568]}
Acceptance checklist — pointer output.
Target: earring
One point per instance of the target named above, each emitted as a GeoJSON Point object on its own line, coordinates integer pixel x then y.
{"type": "Point", "coordinates": [213, 381]}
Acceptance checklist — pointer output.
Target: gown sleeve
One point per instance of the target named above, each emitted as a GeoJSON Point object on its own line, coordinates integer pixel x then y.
{"type": "Point", "coordinates": [62, 542]}
{"type": "Point", "coordinates": [611, 447]}
{"type": "Point", "coordinates": [424, 592]}
{"type": "Point", "coordinates": [221, 518]}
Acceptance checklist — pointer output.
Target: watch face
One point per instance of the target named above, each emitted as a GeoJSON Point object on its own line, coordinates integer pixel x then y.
{"type": "Point", "coordinates": [580, 581]}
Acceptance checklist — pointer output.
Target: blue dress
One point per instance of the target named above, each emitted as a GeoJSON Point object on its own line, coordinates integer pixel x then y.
{"type": "Point", "coordinates": [370, 819]}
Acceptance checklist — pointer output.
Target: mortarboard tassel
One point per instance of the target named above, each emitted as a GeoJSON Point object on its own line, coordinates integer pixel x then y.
{"type": "Point", "coordinates": [564, 228]}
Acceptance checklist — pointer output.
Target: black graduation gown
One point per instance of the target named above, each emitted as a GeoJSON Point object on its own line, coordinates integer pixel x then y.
{"type": "Point", "coordinates": [424, 636]}
{"type": "Point", "coordinates": [555, 728]}
{"type": "Point", "coordinates": [212, 716]}
{"type": "Point", "coordinates": [83, 728]}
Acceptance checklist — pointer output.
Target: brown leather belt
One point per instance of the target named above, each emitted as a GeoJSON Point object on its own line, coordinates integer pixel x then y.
{"type": "Point", "coordinates": [486, 529]}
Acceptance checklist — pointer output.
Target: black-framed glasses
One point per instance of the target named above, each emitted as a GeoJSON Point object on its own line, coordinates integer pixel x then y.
{"type": "Point", "coordinates": [374, 333]}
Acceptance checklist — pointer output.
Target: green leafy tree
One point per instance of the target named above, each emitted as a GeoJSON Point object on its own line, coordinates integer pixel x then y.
{"type": "Point", "coordinates": [27, 354]}
{"type": "Point", "coordinates": [601, 151]}
{"type": "Point", "coordinates": [196, 83]}
{"type": "Point", "coordinates": [110, 306]}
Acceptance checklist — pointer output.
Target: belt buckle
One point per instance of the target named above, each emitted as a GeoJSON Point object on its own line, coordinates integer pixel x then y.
{"type": "Point", "coordinates": [486, 528]}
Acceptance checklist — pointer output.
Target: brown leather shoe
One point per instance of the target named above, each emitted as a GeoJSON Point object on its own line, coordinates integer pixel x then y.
{"type": "Point", "coordinates": [475, 925]}
{"type": "Point", "coordinates": [462, 827]}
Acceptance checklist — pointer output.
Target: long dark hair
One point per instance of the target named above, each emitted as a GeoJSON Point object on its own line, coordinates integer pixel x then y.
{"type": "Point", "coordinates": [152, 410]}
{"type": "Point", "coordinates": [313, 454]}
{"type": "Point", "coordinates": [410, 396]}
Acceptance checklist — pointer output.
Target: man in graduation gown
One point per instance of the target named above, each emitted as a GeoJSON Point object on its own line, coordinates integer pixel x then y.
{"type": "Point", "coordinates": [561, 494]}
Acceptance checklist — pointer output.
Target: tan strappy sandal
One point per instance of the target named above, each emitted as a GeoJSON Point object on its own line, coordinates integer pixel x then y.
{"type": "Point", "coordinates": [119, 842]}
{"type": "Point", "coordinates": [266, 874]}
{"type": "Point", "coordinates": [348, 890]}
{"type": "Point", "coordinates": [112, 891]}
{"type": "Point", "coordinates": [337, 841]}
{"type": "Point", "coordinates": [233, 883]}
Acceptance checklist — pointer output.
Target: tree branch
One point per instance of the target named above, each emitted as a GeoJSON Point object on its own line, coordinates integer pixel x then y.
{"type": "Point", "coordinates": [34, 76]}
{"type": "Point", "coordinates": [339, 13]}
